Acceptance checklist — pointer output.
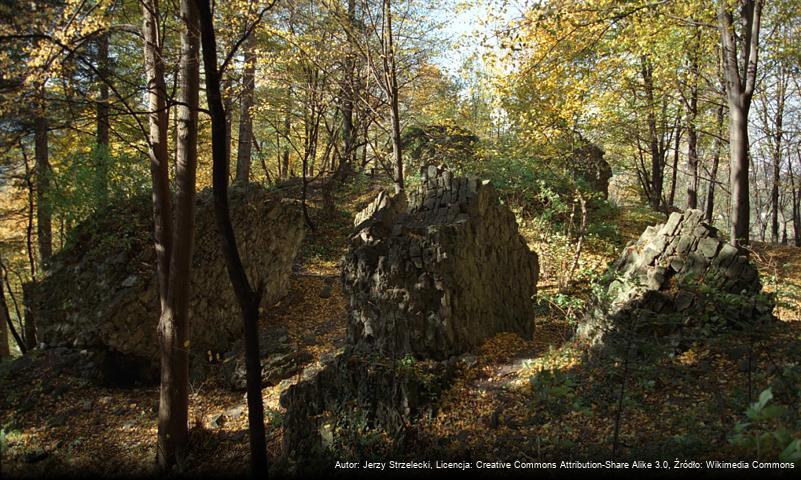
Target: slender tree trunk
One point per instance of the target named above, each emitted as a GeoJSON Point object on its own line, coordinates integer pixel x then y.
{"type": "Point", "coordinates": [174, 322]}
{"type": "Point", "coordinates": [692, 134]}
{"type": "Point", "coordinates": [287, 130]}
{"type": "Point", "coordinates": [247, 298]}
{"type": "Point", "coordinates": [349, 95]}
{"type": "Point", "coordinates": [5, 325]}
{"type": "Point", "coordinates": [713, 175]}
{"type": "Point", "coordinates": [243, 157]}
{"type": "Point", "coordinates": [657, 160]}
{"type": "Point", "coordinates": [741, 201]}
{"type": "Point", "coordinates": [228, 103]}
{"type": "Point", "coordinates": [777, 157]}
{"type": "Point", "coordinates": [796, 199]}
{"type": "Point", "coordinates": [44, 228]}
{"type": "Point", "coordinates": [391, 82]}
{"type": "Point", "coordinates": [158, 118]}
{"type": "Point", "coordinates": [102, 119]}
{"type": "Point", "coordinates": [740, 67]}
{"type": "Point", "coordinates": [23, 348]}
{"type": "Point", "coordinates": [676, 147]}
{"type": "Point", "coordinates": [692, 162]}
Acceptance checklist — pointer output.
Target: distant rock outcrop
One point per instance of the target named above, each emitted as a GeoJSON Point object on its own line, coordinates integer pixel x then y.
{"type": "Point", "coordinates": [588, 163]}
{"type": "Point", "coordinates": [101, 292]}
{"type": "Point", "coordinates": [680, 279]}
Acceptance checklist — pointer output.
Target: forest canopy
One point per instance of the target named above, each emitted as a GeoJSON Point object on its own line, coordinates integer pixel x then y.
{"type": "Point", "coordinates": [136, 133]}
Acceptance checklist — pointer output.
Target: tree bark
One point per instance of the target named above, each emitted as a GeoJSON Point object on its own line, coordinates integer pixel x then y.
{"type": "Point", "coordinates": [740, 75]}
{"type": "Point", "coordinates": [392, 91]}
{"type": "Point", "coordinates": [692, 133]}
{"type": "Point", "coordinates": [247, 298]}
{"type": "Point", "coordinates": [657, 156]}
{"type": "Point", "coordinates": [713, 174]}
{"type": "Point", "coordinates": [174, 322]}
{"type": "Point", "coordinates": [44, 228]}
{"type": "Point", "coordinates": [674, 174]}
{"type": "Point", "coordinates": [6, 285]}
{"type": "Point", "coordinates": [157, 144]}
{"type": "Point", "coordinates": [287, 129]}
{"type": "Point", "coordinates": [349, 95]}
{"type": "Point", "coordinates": [778, 135]}
{"type": "Point", "coordinates": [5, 325]}
{"type": "Point", "coordinates": [245, 146]}
{"type": "Point", "coordinates": [102, 112]}
{"type": "Point", "coordinates": [796, 200]}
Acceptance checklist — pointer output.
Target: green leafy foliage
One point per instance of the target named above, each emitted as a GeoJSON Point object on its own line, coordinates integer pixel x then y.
{"type": "Point", "coordinates": [765, 432]}
{"type": "Point", "coordinates": [553, 394]}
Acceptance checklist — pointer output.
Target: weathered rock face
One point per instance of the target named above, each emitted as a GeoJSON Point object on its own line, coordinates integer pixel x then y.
{"type": "Point", "coordinates": [428, 279]}
{"type": "Point", "coordinates": [680, 277]}
{"type": "Point", "coordinates": [588, 163]}
{"type": "Point", "coordinates": [101, 291]}
{"type": "Point", "coordinates": [360, 387]}
{"type": "Point", "coordinates": [279, 360]}
{"type": "Point", "coordinates": [436, 276]}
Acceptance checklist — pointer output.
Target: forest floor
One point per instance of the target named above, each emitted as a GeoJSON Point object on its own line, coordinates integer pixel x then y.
{"type": "Point", "coordinates": [520, 400]}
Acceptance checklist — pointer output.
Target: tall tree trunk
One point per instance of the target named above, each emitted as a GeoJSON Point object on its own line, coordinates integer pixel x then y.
{"type": "Point", "coordinates": [390, 82]}
{"type": "Point", "coordinates": [796, 199]}
{"type": "Point", "coordinates": [657, 160]}
{"type": "Point", "coordinates": [713, 174]}
{"type": "Point", "coordinates": [247, 298]}
{"type": "Point", "coordinates": [777, 156]}
{"type": "Point", "coordinates": [287, 129]}
{"type": "Point", "coordinates": [158, 118]}
{"type": "Point", "coordinates": [676, 147]}
{"type": "Point", "coordinates": [740, 74]}
{"type": "Point", "coordinates": [102, 132]}
{"type": "Point", "coordinates": [741, 201]}
{"type": "Point", "coordinates": [692, 133]}
{"type": "Point", "coordinates": [244, 152]}
{"type": "Point", "coordinates": [5, 325]}
{"type": "Point", "coordinates": [349, 95]}
{"type": "Point", "coordinates": [174, 322]}
{"type": "Point", "coordinates": [44, 228]}
{"type": "Point", "coordinates": [23, 348]}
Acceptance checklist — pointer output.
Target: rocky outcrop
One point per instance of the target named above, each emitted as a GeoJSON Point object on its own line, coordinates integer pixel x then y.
{"type": "Point", "coordinates": [588, 163]}
{"type": "Point", "coordinates": [437, 275]}
{"type": "Point", "coordinates": [365, 388]}
{"type": "Point", "coordinates": [679, 279]}
{"type": "Point", "coordinates": [279, 359]}
{"type": "Point", "coordinates": [428, 279]}
{"type": "Point", "coordinates": [101, 290]}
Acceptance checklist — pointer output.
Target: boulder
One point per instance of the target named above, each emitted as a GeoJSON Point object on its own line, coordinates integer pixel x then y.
{"type": "Point", "coordinates": [680, 279]}
{"type": "Point", "coordinates": [437, 274]}
{"type": "Point", "coordinates": [101, 291]}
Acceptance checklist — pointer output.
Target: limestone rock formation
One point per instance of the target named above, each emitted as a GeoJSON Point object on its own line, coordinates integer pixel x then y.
{"type": "Point", "coordinates": [362, 387]}
{"type": "Point", "coordinates": [428, 279]}
{"type": "Point", "coordinates": [437, 275]}
{"type": "Point", "coordinates": [101, 291]}
{"type": "Point", "coordinates": [679, 278]}
{"type": "Point", "coordinates": [279, 360]}
{"type": "Point", "coordinates": [588, 163]}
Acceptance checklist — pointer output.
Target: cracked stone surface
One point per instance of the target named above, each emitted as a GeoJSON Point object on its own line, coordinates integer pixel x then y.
{"type": "Point", "coordinates": [678, 278]}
